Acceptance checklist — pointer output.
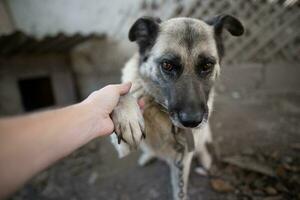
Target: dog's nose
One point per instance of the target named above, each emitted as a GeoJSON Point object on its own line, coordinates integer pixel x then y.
{"type": "Point", "coordinates": [191, 120]}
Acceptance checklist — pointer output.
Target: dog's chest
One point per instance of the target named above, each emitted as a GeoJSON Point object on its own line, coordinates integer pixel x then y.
{"type": "Point", "coordinates": [160, 135]}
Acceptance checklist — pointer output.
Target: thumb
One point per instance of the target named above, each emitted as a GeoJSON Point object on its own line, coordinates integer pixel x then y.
{"type": "Point", "coordinates": [124, 88]}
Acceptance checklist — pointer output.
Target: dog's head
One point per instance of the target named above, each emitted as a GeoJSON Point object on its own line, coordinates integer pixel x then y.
{"type": "Point", "coordinates": [180, 60]}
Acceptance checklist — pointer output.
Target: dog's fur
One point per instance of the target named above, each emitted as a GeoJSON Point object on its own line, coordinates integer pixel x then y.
{"type": "Point", "coordinates": [174, 71]}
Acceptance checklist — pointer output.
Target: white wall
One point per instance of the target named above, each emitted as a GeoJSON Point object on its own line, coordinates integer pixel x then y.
{"type": "Point", "coordinates": [6, 24]}
{"type": "Point", "coordinates": [48, 17]}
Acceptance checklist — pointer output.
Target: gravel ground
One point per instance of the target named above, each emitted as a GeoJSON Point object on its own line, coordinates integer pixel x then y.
{"type": "Point", "coordinates": [264, 123]}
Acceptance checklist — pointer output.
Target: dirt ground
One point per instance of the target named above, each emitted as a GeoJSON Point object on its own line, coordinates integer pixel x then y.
{"type": "Point", "coordinates": [263, 125]}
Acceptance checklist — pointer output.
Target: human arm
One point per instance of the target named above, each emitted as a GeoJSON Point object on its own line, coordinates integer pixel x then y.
{"type": "Point", "coordinates": [29, 144]}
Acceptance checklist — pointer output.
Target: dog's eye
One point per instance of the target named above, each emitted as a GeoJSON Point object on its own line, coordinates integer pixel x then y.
{"type": "Point", "coordinates": [167, 66]}
{"type": "Point", "coordinates": [207, 67]}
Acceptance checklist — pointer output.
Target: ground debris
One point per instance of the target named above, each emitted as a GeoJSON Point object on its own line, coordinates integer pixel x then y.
{"type": "Point", "coordinates": [258, 176]}
{"type": "Point", "coordinates": [270, 190]}
{"type": "Point", "coordinates": [295, 146]}
{"type": "Point", "coordinates": [249, 163]}
{"type": "Point", "coordinates": [273, 198]}
{"type": "Point", "coordinates": [220, 185]}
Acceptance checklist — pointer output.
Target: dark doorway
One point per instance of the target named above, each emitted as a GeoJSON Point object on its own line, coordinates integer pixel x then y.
{"type": "Point", "coordinates": [36, 93]}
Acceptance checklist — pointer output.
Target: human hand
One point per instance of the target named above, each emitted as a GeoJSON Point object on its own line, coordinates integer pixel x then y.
{"type": "Point", "coordinates": [101, 103]}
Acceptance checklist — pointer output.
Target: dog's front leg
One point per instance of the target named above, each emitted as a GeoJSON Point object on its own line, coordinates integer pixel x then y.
{"type": "Point", "coordinates": [180, 171]}
{"type": "Point", "coordinates": [129, 125]}
{"type": "Point", "coordinates": [202, 138]}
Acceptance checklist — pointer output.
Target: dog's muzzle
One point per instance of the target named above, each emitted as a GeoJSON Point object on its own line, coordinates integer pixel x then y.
{"type": "Point", "coordinates": [188, 119]}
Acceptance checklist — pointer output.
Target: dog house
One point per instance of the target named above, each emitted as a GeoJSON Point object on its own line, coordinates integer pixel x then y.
{"type": "Point", "coordinates": [56, 71]}
{"type": "Point", "coordinates": [36, 74]}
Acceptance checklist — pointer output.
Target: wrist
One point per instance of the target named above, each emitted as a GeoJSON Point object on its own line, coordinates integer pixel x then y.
{"type": "Point", "coordinates": [95, 120]}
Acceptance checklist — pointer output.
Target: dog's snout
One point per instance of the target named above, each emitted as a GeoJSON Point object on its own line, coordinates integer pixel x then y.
{"type": "Point", "coordinates": [190, 120]}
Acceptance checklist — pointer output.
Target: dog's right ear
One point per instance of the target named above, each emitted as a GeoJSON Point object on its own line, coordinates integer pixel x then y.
{"type": "Point", "coordinates": [228, 22]}
{"type": "Point", "coordinates": [144, 31]}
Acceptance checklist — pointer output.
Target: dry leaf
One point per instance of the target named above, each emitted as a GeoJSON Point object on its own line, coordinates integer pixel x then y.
{"type": "Point", "coordinates": [270, 190]}
{"type": "Point", "coordinates": [220, 185]}
{"type": "Point", "coordinates": [280, 171]}
{"type": "Point", "coordinates": [273, 198]}
{"type": "Point", "coordinates": [295, 146]}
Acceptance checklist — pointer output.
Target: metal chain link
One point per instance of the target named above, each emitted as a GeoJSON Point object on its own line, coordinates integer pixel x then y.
{"type": "Point", "coordinates": [178, 162]}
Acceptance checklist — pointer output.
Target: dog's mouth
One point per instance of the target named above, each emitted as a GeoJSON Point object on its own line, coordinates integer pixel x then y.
{"type": "Point", "coordinates": [185, 120]}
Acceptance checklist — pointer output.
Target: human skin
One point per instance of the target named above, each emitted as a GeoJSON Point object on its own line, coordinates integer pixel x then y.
{"type": "Point", "coordinates": [31, 143]}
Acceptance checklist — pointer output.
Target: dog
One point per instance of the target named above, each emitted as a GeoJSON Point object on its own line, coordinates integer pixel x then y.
{"type": "Point", "coordinates": [174, 71]}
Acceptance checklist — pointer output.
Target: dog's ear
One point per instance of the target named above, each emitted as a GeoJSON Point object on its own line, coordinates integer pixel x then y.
{"type": "Point", "coordinates": [144, 31]}
{"type": "Point", "coordinates": [230, 23]}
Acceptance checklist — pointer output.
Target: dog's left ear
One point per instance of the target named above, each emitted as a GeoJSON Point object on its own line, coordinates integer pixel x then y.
{"type": "Point", "coordinates": [228, 22]}
{"type": "Point", "coordinates": [144, 31]}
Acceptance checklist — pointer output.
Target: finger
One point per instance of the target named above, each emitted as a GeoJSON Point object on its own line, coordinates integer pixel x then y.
{"type": "Point", "coordinates": [124, 88]}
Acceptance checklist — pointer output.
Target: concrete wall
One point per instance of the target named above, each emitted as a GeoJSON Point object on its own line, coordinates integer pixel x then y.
{"type": "Point", "coordinates": [240, 81]}
{"type": "Point", "coordinates": [6, 23]}
{"type": "Point", "coordinates": [98, 62]}
{"type": "Point", "coordinates": [15, 68]}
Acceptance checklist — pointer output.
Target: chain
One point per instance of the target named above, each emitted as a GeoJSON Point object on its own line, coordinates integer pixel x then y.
{"type": "Point", "coordinates": [179, 148]}
{"type": "Point", "coordinates": [178, 162]}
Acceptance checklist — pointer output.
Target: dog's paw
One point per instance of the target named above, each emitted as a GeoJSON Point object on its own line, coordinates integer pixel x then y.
{"type": "Point", "coordinates": [206, 160]}
{"type": "Point", "coordinates": [123, 149]}
{"type": "Point", "coordinates": [128, 121]}
{"type": "Point", "coordinates": [201, 171]}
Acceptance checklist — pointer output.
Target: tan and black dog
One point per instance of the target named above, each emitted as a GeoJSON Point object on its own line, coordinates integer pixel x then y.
{"type": "Point", "coordinates": [174, 71]}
